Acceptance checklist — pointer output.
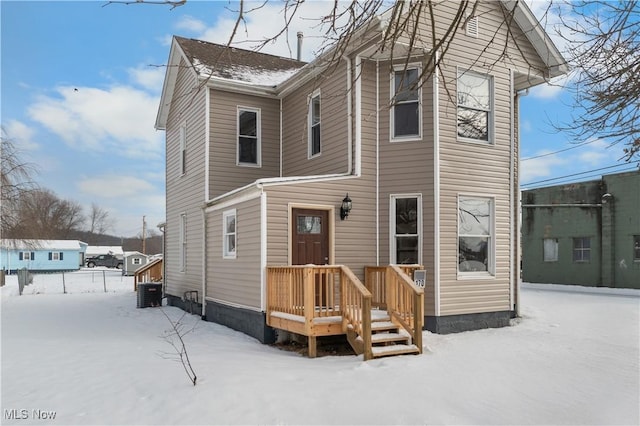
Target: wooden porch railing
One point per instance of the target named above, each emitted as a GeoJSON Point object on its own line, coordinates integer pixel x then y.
{"type": "Point", "coordinates": [405, 302]}
{"type": "Point", "coordinates": [375, 279]}
{"type": "Point", "coordinates": [319, 294]}
{"type": "Point", "coordinates": [151, 272]}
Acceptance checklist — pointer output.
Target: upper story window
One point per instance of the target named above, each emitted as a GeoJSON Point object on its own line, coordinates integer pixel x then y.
{"type": "Point", "coordinates": [229, 234]}
{"type": "Point", "coordinates": [406, 110]}
{"type": "Point", "coordinates": [475, 235]}
{"type": "Point", "coordinates": [475, 106]}
{"type": "Point", "coordinates": [183, 149]}
{"type": "Point", "coordinates": [582, 250]}
{"type": "Point", "coordinates": [406, 229]}
{"type": "Point", "coordinates": [249, 136]}
{"type": "Point", "coordinates": [314, 125]}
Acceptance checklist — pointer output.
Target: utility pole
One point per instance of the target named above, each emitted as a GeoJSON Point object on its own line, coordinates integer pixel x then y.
{"type": "Point", "coordinates": [144, 235]}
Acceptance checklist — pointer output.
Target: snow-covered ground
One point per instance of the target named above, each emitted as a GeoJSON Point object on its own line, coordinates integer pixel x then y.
{"type": "Point", "coordinates": [94, 358]}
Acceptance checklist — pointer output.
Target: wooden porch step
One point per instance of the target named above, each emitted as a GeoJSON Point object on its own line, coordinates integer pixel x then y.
{"type": "Point", "coordinates": [378, 326]}
{"type": "Point", "coordinates": [380, 351]}
{"type": "Point", "coordinates": [380, 338]}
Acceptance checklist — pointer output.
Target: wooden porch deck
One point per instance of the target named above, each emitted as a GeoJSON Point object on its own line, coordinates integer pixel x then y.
{"type": "Point", "coordinates": [380, 318]}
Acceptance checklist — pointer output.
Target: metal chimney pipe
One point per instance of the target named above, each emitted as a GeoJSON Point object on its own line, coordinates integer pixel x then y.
{"type": "Point", "coordinates": [300, 35]}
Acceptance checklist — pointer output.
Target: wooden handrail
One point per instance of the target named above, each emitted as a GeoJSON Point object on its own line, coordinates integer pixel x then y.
{"type": "Point", "coordinates": [356, 309]}
{"type": "Point", "coordinates": [405, 302]}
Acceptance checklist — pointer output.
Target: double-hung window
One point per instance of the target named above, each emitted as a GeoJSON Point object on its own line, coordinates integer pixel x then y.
{"type": "Point", "coordinates": [582, 250]}
{"type": "Point", "coordinates": [229, 234]}
{"type": "Point", "coordinates": [406, 109]}
{"type": "Point", "coordinates": [249, 137]}
{"type": "Point", "coordinates": [406, 227]}
{"type": "Point", "coordinates": [314, 125]}
{"type": "Point", "coordinates": [475, 235]}
{"type": "Point", "coordinates": [475, 106]}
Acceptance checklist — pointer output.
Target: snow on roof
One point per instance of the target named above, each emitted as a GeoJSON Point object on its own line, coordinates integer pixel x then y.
{"type": "Point", "coordinates": [33, 244]}
{"type": "Point", "coordinates": [234, 64]}
{"type": "Point", "coordinates": [133, 253]}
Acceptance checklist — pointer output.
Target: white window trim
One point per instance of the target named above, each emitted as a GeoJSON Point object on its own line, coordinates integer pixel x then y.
{"type": "Point", "coordinates": [226, 254]}
{"type": "Point", "coordinates": [182, 135]}
{"type": "Point", "coordinates": [491, 267]}
{"type": "Point", "coordinates": [183, 242]}
{"type": "Point", "coordinates": [315, 94]}
{"type": "Point", "coordinates": [55, 256]}
{"type": "Point", "coordinates": [492, 107]}
{"type": "Point", "coordinates": [258, 113]}
{"type": "Point", "coordinates": [26, 258]}
{"type": "Point", "coordinates": [411, 138]}
{"type": "Point", "coordinates": [392, 225]}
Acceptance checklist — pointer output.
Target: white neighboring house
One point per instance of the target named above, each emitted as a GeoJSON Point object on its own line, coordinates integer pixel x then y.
{"type": "Point", "coordinates": [133, 260]}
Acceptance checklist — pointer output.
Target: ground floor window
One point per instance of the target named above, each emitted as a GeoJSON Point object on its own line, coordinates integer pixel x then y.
{"type": "Point", "coordinates": [229, 234]}
{"type": "Point", "coordinates": [636, 247]}
{"type": "Point", "coordinates": [582, 249]}
{"type": "Point", "coordinates": [475, 234]}
{"type": "Point", "coordinates": [27, 255]}
{"type": "Point", "coordinates": [56, 255]}
{"type": "Point", "coordinates": [550, 249]}
{"type": "Point", "coordinates": [406, 224]}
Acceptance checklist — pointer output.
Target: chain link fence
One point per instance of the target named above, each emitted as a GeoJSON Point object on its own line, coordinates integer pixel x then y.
{"type": "Point", "coordinates": [82, 281]}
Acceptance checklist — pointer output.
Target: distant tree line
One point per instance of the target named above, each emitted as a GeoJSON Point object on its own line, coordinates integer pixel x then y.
{"type": "Point", "coordinates": [29, 211]}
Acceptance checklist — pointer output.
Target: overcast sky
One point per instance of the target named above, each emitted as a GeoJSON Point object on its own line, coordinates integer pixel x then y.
{"type": "Point", "coordinates": [81, 83]}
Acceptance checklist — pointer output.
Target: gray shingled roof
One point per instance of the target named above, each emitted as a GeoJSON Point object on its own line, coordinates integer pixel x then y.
{"type": "Point", "coordinates": [231, 63]}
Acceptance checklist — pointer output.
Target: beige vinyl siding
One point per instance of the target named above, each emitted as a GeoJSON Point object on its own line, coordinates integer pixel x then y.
{"type": "Point", "coordinates": [407, 167]}
{"type": "Point", "coordinates": [333, 126]}
{"type": "Point", "coordinates": [224, 174]}
{"type": "Point", "coordinates": [185, 193]}
{"type": "Point", "coordinates": [235, 281]}
{"type": "Point", "coordinates": [353, 238]}
{"type": "Point", "coordinates": [476, 169]}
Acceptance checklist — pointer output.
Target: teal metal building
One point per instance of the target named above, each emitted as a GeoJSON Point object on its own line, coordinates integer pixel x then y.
{"type": "Point", "coordinates": [585, 233]}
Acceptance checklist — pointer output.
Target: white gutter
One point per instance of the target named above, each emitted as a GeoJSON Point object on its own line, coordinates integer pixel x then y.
{"type": "Point", "coordinates": [436, 189]}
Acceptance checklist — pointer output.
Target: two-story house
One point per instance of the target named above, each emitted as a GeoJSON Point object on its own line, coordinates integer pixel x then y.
{"type": "Point", "coordinates": [356, 164]}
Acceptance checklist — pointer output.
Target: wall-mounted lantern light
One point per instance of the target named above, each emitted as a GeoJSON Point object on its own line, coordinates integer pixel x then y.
{"type": "Point", "coordinates": [345, 208]}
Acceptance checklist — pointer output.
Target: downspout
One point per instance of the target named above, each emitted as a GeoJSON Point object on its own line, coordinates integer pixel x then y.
{"type": "Point", "coordinates": [281, 159]}
{"type": "Point", "coordinates": [377, 162]}
{"type": "Point", "coordinates": [436, 189]}
{"type": "Point", "coordinates": [206, 198]}
{"type": "Point", "coordinates": [207, 135]}
{"type": "Point", "coordinates": [513, 281]}
{"type": "Point", "coordinates": [263, 250]}
{"type": "Point", "coordinates": [349, 116]}
{"type": "Point", "coordinates": [204, 263]}
{"type": "Point", "coordinates": [519, 207]}
{"type": "Point", "coordinates": [358, 111]}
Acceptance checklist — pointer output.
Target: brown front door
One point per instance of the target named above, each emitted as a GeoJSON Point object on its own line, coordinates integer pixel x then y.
{"type": "Point", "coordinates": [310, 245]}
{"type": "Point", "coordinates": [310, 237]}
